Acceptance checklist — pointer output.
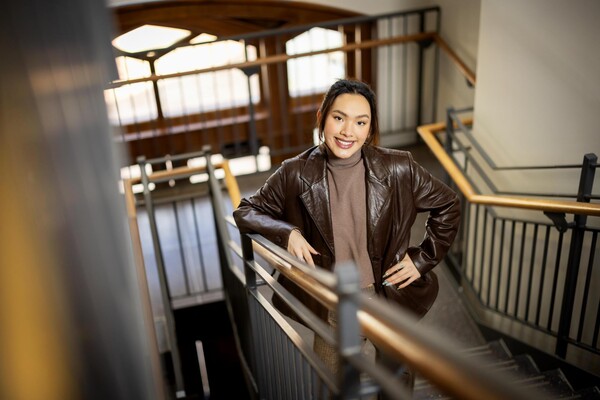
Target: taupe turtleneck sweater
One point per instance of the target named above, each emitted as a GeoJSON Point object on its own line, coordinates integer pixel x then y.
{"type": "Point", "coordinates": [348, 200]}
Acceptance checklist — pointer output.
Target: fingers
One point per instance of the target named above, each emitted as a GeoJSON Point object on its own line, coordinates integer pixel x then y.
{"type": "Point", "coordinates": [300, 248]}
{"type": "Point", "coordinates": [402, 274]}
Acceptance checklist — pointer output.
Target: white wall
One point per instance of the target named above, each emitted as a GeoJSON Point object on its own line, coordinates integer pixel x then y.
{"type": "Point", "coordinates": [538, 89]}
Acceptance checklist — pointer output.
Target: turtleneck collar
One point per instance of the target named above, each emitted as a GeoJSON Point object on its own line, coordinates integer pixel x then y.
{"type": "Point", "coordinates": [337, 162]}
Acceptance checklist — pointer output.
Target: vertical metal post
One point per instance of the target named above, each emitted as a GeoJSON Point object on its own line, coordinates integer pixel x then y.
{"type": "Point", "coordinates": [164, 286]}
{"type": "Point", "coordinates": [253, 324]}
{"type": "Point", "coordinates": [156, 91]}
{"type": "Point", "coordinates": [586, 182]}
{"type": "Point", "coordinates": [252, 122]}
{"type": "Point", "coordinates": [348, 329]}
{"type": "Point", "coordinates": [448, 143]}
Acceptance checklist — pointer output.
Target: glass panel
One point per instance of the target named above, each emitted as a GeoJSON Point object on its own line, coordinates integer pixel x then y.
{"type": "Point", "coordinates": [132, 68]}
{"type": "Point", "coordinates": [201, 56]}
{"type": "Point", "coordinates": [131, 103]}
{"type": "Point", "coordinates": [206, 91]}
{"type": "Point", "coordinates": [314, 73]}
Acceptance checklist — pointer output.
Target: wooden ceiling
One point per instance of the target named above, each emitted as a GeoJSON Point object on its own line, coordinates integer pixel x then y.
{"type": "Point", "coordinates": [223, 17]}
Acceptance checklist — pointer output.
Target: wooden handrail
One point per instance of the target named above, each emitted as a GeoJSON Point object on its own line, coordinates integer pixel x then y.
{"type": "Point", "coordinates": [280, 58]}
{"type": "Point", "coordinates": [230, 181]}
{"type": "Point", "coordinates": [431, 357]}
{"type": "Point", "coordinates": [428, 133]}
{"type": "Point", "coordinates": [462, 67]}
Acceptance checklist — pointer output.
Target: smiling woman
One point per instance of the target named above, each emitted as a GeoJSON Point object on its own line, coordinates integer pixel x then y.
{"type": "Point", "coordinates": [346, 199]}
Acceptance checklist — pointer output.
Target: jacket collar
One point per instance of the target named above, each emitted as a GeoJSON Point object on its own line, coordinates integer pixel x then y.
{"type": "Point", "coordinates": [315, 168]}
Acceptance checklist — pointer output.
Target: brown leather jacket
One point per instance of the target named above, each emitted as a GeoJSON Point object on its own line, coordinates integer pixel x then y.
{"type": "Point", "coordinates": [297, 196]}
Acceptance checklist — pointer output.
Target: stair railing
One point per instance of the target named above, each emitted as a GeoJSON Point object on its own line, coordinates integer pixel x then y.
{"type": "Point", "coordinates": [279, 363]}
{"type": "Point", "coordinates": [513, 265]}
{"type": "Point", "coordinates": [195, 292]}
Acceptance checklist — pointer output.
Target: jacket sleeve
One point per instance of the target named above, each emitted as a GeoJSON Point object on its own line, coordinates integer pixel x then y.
{"type": "Point", "coordinates": [264, 212]}
{"type": "Point", "coordinates": [443, 204]}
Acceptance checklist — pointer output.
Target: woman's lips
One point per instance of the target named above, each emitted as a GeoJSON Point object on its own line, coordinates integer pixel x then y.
{"type": "Point", "coordinates": [343, 143]}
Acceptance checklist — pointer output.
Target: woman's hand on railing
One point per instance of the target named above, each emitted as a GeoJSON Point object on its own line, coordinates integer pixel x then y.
{"type": "Point", "coordinates": [299, 247]}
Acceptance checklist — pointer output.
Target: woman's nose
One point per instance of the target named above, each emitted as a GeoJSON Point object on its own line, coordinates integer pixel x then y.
{"type": "Point", "coordinates": [345, 130]}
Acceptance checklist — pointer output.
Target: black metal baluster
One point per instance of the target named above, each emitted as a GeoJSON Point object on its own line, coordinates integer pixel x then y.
{"type": "Point", "coordinates": [491, 264]}
{"type": "Point", "coordinates": [500, 259]}
{"type": "Point", "coordinates": [510, 261]}
{"type": "Point", "coordinates": [555, 280]}
{"type": "Point", "coordinates": [483, 246]}
{"type": "Point", "coordinates": [531, 266]}
{"type": "Point", "coordinates": [588, 280]}
{"type": "Point", "coordinates": [520, 269]}
{"type": "Point", "coordinates": [542, 278]}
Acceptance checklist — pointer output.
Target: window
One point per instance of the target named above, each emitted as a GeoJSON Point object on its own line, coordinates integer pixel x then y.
{"type": "Point", "coordinates": [134, 102]}
{"type": "Point", "coordinates": [316, 73]}
{"type": "Point", "coordinates": [206, 91]}
{"type": "Point", "coordinates": [183, 95]}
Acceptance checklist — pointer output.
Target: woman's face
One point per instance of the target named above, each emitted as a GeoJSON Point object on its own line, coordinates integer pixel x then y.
{"type": "Point", "coordinates": [347, 124]}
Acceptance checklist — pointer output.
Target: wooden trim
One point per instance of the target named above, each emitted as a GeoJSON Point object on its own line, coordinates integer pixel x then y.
{"type": "Point", "coordinates": [428, 133]}
{"type": "Point", "coordinates": [466, 71]}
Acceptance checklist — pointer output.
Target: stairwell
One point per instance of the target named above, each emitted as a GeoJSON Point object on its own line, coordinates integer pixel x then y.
{"type": "Point", "coordinates": [521, 370]}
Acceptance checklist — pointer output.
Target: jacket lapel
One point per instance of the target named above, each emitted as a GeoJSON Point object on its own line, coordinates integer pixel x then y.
{"type": "Point", "coordinates": [379, 190]}
{"type": "Point", "coordinates": [316, 197]}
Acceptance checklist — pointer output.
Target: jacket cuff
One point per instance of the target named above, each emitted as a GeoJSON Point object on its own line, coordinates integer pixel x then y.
{"type": "Point", "coordinates": [420, 259]}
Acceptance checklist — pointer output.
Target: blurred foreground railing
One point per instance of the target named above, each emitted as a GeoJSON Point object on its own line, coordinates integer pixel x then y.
{"type": "Point", "coordinates": [278, 358]}
{"type": "Point", "coordinates": [528, 271]}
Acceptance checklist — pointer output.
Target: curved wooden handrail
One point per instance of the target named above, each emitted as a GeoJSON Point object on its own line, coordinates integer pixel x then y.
{"type": "Point", "coordinates": [179, 172]}
{"type": "Point", "coordinates": [428, 133]}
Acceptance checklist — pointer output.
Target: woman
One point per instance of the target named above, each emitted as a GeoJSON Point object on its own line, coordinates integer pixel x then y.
{"type": "Point", "coordinates": [348, 199]}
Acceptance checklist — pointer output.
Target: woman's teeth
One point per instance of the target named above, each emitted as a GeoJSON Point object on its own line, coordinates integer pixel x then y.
{"type": "Point", "coordinates": [344, 143]}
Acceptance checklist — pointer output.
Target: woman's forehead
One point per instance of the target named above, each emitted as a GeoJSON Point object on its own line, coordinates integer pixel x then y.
{"type": "Point", "coordinates": [351, 104]}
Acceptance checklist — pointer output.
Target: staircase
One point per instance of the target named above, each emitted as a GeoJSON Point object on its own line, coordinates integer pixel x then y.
{"type": "Point", "coordinates": [522, 370]}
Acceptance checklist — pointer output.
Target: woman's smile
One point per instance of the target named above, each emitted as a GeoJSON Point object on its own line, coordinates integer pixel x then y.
{"type": "Point", "coordinates": [344, 144]}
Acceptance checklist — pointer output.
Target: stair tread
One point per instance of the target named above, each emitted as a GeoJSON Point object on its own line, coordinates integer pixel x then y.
{"type": "Point", "coordinates": [520, 369]}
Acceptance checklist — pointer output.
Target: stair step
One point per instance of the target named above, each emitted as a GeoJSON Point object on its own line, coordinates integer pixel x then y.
{"type": "Point", "coordinates": [592, 393]}
{"type": "Point", "coordinates": [520, 369]}
{"type": "Point", "coordinates": [496, 349]}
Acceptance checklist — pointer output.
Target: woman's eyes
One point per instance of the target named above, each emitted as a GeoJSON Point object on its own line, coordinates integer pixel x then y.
{"type": "Point", "coordinates": [338, 118]}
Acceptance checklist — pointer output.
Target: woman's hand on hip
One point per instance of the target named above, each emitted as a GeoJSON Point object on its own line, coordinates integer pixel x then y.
{"type": "Point", "coordinates": [299, 247]}
{"type": "Point", "coordinates": [402, 274]}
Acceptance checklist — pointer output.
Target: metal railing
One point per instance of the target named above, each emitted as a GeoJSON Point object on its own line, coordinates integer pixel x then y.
{"type": "Point", "coordinates": [174, 244]}
{"type": "Point", "coordinates": [513, 263]}
{"type": "Point", "coordinates": [278, 359]}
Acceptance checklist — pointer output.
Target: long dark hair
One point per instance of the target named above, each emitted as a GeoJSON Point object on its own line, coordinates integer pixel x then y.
{"type": "Point", "coordinates": [349, 86]}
